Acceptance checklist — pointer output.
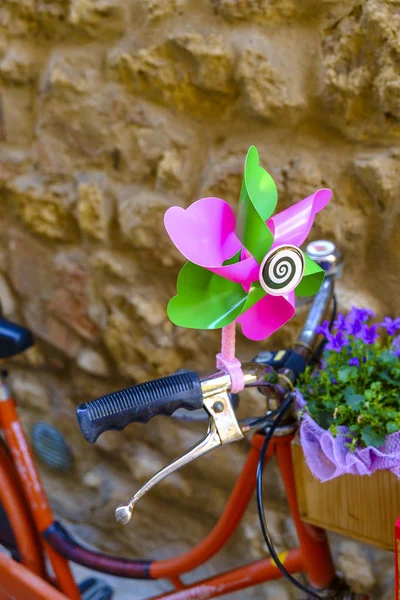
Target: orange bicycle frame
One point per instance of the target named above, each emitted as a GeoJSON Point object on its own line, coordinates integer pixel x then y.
{"type": "Point", "coordinates": [24, 499]}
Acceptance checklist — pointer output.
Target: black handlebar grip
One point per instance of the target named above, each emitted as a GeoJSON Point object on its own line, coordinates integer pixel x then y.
{"type": "Point", "coordinates": [139, 403]}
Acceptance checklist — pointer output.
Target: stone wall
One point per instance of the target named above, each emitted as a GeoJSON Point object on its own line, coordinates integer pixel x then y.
{"type": "Point", "coordinates": [110, 112]}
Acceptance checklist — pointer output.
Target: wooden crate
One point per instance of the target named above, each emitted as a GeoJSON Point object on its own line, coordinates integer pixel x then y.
{"type": "Point", "coordinates": [364, 508]}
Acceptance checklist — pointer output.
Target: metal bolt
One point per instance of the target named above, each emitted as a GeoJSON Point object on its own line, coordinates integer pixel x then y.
{"type": "Point", "coordinates": [218, 406]}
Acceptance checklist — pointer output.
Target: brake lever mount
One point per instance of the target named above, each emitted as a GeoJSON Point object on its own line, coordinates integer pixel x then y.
{"type": "Point", "coordinates": [223, 427]}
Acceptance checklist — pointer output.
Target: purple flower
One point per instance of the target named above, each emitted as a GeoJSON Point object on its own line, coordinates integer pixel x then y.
{"type": "Point", "coordinates": [340, 324]}
{"type": "Point", "coordinates": [355, 328]}
{"type": "Point", "coordinates": [336, 342]}
{"type": "Point", "coordinates": [369, 335]}
{"type": "Point", "coordinates": [364, 359]}
{"type": "Point", "coordinates": [324, 329]}
{"type": "Point", "coordinates": [391, 325]}
{"type": "Point", "coordinates": [334, 381]}
{"type": "Point", "coordinates": [396, 346]}
{"type": "Point", "coordinates": [354, 362]}
{"type": "Point", "coordinates": [362, 314]}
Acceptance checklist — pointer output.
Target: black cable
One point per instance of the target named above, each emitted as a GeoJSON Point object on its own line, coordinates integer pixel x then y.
{"type": "Point", "coordinates": [261, 422]}
{"type": "Point", "coordinates": [260, 502]}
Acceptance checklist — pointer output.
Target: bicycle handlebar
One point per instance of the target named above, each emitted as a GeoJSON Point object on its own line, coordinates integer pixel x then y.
{"type": "Point", "coordinates": [139, 404]}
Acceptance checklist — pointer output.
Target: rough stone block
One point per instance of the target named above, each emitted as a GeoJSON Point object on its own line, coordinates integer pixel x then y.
{"type": "Point", "coordinates": [30, 392]}
{"type": "Point", "coordinates": [20, 64]}
{"type": "Point", "coordinates": [16, 115]}
{"type": "Point", "coordinates": [26, 253]}
{"type": "Point", "coordinates": [167, 74]}
{"type": "Point", "coordinates": [69, 301]}
{"type": "Point", "coordinates": [92, 362]}
{"type": "Point", "coordinates": [95, 205]}
{"type": "Point", "coordinates": [361, 61]}
{"type": "Point", "coordinates": [157, 9]}
{"type": "Point", "coordinates": [52, 331]}
{"type": "Point", "coordinates": [44, 209]}
{"type": "Point", "coordinates": [140, 216]}
{"type": "Point", "coordinates": [97, 17]}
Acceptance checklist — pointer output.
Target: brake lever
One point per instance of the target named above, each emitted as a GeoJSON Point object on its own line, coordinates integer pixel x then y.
{"type": "Point", "coordinates": [223, 426]}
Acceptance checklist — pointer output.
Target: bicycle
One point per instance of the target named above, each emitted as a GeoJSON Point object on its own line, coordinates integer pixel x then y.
{"type": "Point", "coordinates": [30, 533]}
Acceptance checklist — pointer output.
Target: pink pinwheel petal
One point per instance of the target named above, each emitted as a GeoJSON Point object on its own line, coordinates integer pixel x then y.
{"type": "Point", "coordinates": [244, 272]}
{"type": "Point", "coordinates": [292, 226]}
{"type": "Point", "coordinates": [267, 316]}
{"type": "Point", "coordinates": [205, 234]}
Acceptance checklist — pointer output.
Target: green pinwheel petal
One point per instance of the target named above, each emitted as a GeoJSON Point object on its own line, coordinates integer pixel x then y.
{"type": "Point", "coordinates": [205, 300]}
{"type": "Point", "coordinates": [258, 199]}
{"type": "Point", "coordinates": [312, 278]}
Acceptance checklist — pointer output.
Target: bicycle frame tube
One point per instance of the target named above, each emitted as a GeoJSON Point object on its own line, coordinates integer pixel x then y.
{"type": "Point", "coordinates": [17, 581]}
{"type": "Point", "coordinates": [32, 488]}
{"type": "Point", "coordinates": [238, 579]}
{"type": "Point", "coordinates": [12, 499]}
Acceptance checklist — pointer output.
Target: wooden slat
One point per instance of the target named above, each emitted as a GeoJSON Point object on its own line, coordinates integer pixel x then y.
{"type": "Point", "coordinates": [364, 508]}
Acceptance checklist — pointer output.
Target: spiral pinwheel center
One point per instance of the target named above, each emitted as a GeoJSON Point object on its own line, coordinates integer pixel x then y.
{"type": "Point", "coordinates": [281, 270]}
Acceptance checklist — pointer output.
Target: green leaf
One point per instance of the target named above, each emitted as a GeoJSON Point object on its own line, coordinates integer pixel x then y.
{"type": "Point", "coordinates": [312, 278]}
{"type": "Point", "coordinates": [386, 377]}
{"type": "Point", "coordinates": [388, 358]}
{"type": "Point", "coordinates": [391, 427]}
{"type": "Point", "coordinates": [372, 438]}
{"type": "Point", "coordinates": [324, 418]}
{"type": "Point", "coordinates": [346, 373]}
{"type": "Point", "coordinates": [348, 391]}
{"type": "Point", "coordinates": [258, 199]}
{"type": "Point", "coordinates": [353, 401]}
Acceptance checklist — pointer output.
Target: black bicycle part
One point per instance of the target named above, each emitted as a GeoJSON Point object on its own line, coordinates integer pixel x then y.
{"type": "Point", "coordinates": [139, 403]}
{"type": "Point", "coordinates": [288, 359]}
{"type": "Point", "coordinates": [95, 589]}
{"type": "Point", "coordinates": [14, 339]}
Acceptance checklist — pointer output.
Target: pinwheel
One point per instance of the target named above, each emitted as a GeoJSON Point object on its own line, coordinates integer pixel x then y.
{"type": "Point", "coordinates": [248, 269]}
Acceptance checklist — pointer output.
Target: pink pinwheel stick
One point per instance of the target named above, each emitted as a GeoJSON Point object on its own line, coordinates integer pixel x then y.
{"type": "Point", "coordinates": [227, 360]}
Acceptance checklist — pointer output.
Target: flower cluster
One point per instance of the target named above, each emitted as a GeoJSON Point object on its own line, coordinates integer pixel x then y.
{"type": "Point", "coordinates": [356, 325]}
{"type": "Point", "coordinates": [358, 383]}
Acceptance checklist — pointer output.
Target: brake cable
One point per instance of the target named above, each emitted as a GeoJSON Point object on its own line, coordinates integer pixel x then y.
{"type": "Point", "coordinates": [260, 501]}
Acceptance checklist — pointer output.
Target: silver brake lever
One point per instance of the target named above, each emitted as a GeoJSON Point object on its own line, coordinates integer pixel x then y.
{"type": "Point", "coordinates": [223, 428]}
